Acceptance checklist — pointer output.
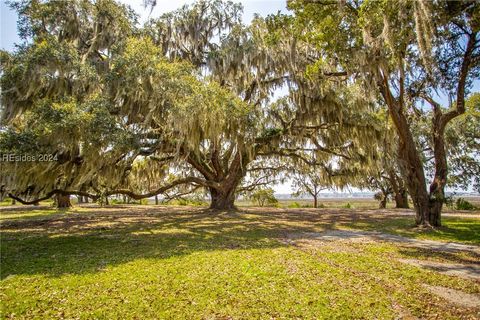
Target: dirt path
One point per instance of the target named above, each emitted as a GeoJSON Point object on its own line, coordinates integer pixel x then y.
{"type": "Point", "coordinates": [456, 297]}
{"type": "Point", "coordinates": [357, 235]}
{"type": "Point", "coordinates": [453, 269]}
{"type": "Point", "coordinates": [464, 270]}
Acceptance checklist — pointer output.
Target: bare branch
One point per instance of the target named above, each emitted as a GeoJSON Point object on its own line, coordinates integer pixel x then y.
{"type": "Point", "coordinates": [51, 194]}
{"type": "Point", "coordinates": [164, 188]}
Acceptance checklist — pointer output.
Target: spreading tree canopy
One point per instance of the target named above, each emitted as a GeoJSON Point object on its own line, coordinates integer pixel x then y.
{"type": "Point", "coordinates": [120, 108]}
{"type": "Point", "coordinates": [406, 52]}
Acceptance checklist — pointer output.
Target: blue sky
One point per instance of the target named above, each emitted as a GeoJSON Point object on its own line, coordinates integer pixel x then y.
{"type": "Point", "coordinates": [262, 7]}
{"type": "Point", "coordinates": [8, 24]}
{"type": "Point", "coordinates": [8, 27]}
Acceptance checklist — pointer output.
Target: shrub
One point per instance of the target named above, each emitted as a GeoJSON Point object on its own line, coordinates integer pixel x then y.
{"type": "Point", "coordinates": [264, 197]}
{"type": "Point", "coordinates": [180, 202]}
{"type": "Point", "coordinates": [143, 201]}
{"type": "Point", "coordinates": [463, 204]}
{"type": "Point", "coordinates": [196, 202]}
{"type": "Point", "coordinates": [294, 204]}
{"type": "Point", "coordinates": [348, 206]}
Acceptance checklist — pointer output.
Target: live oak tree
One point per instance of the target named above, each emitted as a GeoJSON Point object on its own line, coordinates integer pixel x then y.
{"type": "Point", "coordinates": [50, 98]}
{"type": "Point", "coordinates": [190, 91]}
{"type": "Point", "coordinates": [390, 185]}
{"type": "Point", "coordinates": [406, 51]}
{"type": "Point", "coordinates": [247, 63]}
{"type": "Point", "coordinates": [461, 139]}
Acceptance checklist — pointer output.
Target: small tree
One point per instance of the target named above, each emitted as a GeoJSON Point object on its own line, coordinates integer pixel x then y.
{"type": "Point", "coordinates": [264, 197]}
{"type": "Point", "coordinates": [310, 180]}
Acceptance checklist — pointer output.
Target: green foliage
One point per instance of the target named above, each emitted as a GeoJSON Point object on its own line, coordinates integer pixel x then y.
{"type": "Point", "coordinates": [294, 205]}
{"type": "Point", "coordinates": [190, 93]}
{"type": "Point", "coordinates": [115, 201]}
{"type": "Point", "coordinates": [463, 146]}
{"type": "Point", "coordinates": [401, 54]}
{"type": "Point", "coordinates": [190, 201]}
{"type": "Point", "coordinates": [264, 197]}
{"type": "Point", "coordinates": [6, 202]}
{"type": "Point", "coordinates": [348, 206]}
{"type": "Point", "coordinates": [449, 201]}
{"type": "Point", "coordinates": [462, 204]}
{"type": "Point", "coordinates": [143, 201]}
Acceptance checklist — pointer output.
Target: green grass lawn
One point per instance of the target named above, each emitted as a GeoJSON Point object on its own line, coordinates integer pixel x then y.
{"type": "Point", "coordinates": [188, 263]}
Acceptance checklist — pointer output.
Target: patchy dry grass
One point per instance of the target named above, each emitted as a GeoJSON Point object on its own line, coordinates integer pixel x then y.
{"type": "Point", "coordinates": [189, 263]}
{"type": "Point", "coordinates": [455, 229]}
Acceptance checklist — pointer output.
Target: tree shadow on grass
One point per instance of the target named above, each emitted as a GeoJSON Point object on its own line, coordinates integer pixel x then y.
{"type": "Point", "coordinates": [443, 256]}
{"type": "Point", "coordinates": [86, 242]}
{"type": "Point", "coordinates": [464, 230]}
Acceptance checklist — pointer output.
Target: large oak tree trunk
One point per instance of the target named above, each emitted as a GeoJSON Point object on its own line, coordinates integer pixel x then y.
{"type": "Point", "coordinates": [223, 173]}
{"type": "Point", "coordinates": [315, 201]}
{"type": "Point", "coordinates": [416, 183]}
{"type": "Point", "coordinates": [63, 201]}
{"type": "Point", "coordinates": [436, 206]}
{"type": "Point", "coordinates": [410, 163]}
{"type": "Point", "coordinates": [222, 200]}
{"type": "Point", "coordinates": [437, 187]}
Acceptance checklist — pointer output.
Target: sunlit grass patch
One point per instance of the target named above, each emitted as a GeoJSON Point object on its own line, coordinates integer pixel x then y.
{"type": "Point", "coordinates": [10, 215]}
{"type": "Point", "coordinates": [203, 265]}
